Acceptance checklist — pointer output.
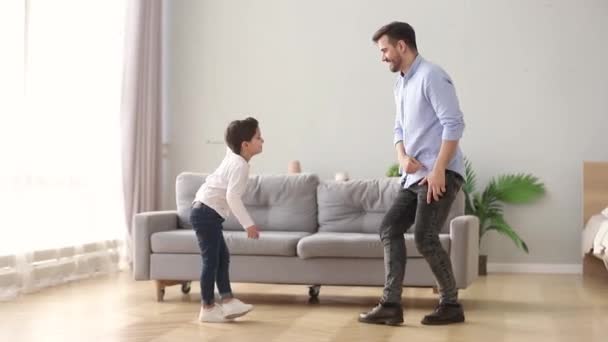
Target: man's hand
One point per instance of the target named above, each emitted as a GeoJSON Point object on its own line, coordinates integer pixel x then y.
{"type": "Point", "coordinates": [409, 164]}
{"type": "Point", "coordinates": [436, 184]}
{"type": "Point", "coordinates": [253, 232]}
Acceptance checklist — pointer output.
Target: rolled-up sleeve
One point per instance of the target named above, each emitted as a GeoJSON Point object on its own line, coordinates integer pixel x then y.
{"type": "Point", "coordinates": [440, 92]}
{"type": "Point", "coordinates": [398, 128]}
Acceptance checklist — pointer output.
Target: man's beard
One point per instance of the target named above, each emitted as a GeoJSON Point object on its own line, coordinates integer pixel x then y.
{"type": "Point", "coordinates": [395, 66]}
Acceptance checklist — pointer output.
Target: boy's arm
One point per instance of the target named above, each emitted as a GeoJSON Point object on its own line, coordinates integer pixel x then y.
{"type": "Point", "coordinates": [237, 184]}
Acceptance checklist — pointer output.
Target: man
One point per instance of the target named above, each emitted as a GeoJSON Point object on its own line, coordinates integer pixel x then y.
{"type": "Point", "coordinates": [428, 126]}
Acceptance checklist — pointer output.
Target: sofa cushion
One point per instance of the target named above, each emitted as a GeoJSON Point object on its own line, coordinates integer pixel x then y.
{"type": "Point", "coordinates": [354, 245]}
{"type": "Point", "coordinates": [269, 243]}
{"type": "Point", "coordinates": [275, 203]}
{"type": "Point", "coordinates": [183, 241]}
{"type": "Point", "coordinates": [358, 206]}
{"type": "Point", "coordinates": [186, 186]}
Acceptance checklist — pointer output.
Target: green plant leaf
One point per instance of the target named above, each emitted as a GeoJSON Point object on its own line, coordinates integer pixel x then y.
{"type": "Point", "coordinates": [479, 210]}
{"type": "Point", "coordinates": [393, 171]}
{"type": "Point", "coordinates": [517, 188]}
{"type": "Point", "coordinates": [499, 225]}
{"type": "Point", "coordinates": [493, 209]}
{"type": "Point", "coordinates": [470, 179]}
{"type": "Point", "coordinates": [468, 204]}
{"type": "Point", "coordinates": [470, 182]}
{"type": "Point", "coordinates": [488, 205]}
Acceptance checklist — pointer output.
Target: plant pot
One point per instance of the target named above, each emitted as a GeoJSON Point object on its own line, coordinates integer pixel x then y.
{"type": "Point", "coordinates": [483, 262]}
{"type": "Point", "coordinates": [294, 167]}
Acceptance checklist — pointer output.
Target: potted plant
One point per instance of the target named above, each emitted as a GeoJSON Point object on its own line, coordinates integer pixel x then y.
{"type": "Point", "coordinates": [487, 205]}
{"type": "Point", "coordinates": [393, 170]}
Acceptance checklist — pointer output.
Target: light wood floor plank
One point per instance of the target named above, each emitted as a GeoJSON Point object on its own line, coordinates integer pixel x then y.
{"type": "Point", "coordinates": [498, 307]}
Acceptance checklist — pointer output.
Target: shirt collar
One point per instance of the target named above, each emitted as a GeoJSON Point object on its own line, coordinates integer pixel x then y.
{"type": "Point", "coordinates": [234, 155]}
{"type": "Point", "coordinates": [413, 67]}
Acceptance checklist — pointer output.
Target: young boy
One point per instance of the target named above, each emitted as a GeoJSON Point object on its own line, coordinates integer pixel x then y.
{"type": "Point", "coordinates": [217, 197]}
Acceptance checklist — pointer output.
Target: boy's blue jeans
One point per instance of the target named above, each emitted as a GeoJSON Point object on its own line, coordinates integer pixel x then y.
{"type": "Point", "coordinates": [207, 224]}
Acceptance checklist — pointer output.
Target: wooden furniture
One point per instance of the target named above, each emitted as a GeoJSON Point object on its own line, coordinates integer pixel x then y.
{"type": "Point", "coordinates": [595, 198]}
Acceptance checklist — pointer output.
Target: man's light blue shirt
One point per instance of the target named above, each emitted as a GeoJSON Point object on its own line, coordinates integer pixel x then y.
{"type": "Point", "coordinates": [427, 113]}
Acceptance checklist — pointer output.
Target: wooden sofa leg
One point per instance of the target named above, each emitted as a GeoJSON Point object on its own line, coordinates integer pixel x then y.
{"type": "Point", "coordinates": [160, 290]}
{"type": "Point", "coordinates": [313, 292]}
{"type": "Point", "coordinates": [162, 284]}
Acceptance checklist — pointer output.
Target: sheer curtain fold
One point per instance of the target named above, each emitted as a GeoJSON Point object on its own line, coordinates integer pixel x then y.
{"type": "Point", "coordinates": [141, 110]}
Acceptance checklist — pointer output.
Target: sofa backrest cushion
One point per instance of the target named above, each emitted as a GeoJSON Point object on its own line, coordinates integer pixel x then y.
{"type": "Point", "coordinates": [358, 206]}
{"type": "Point", "coordinates": [186, 186]}
{"type": "Point", "coordinates": [275, 202]}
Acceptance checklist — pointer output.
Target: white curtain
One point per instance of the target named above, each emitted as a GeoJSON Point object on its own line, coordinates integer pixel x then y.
{"type": "Point", "coordinates": [141, 110]}
{"type": "Point", "coordinates": [60, 179]}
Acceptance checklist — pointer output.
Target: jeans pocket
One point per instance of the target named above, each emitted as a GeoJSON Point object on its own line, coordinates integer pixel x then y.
{"type": "Point", "coordinates": [198, 218]}
{"type": "Point", "coordinates": [456, 181]}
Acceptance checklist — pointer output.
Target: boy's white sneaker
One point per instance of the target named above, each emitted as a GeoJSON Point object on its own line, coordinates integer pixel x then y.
{"type": "Point", "coordinates": [235, 308]}
{"type": "Point", "coordinates": [213, 315]}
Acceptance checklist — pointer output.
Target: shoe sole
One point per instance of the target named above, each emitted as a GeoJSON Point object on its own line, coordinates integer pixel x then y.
{"type": "Point", "coordinates": [226, 320]}
{"type": "Point", "coordinates": [238, 314]}
{"type": "Point", "coordinates": [443, 322]}
{"type": "Point", "coordinates": [382, 321]}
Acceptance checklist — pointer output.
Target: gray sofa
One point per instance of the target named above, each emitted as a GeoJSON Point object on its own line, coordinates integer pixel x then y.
{"type": "Point", "coordinates": [312, 232]}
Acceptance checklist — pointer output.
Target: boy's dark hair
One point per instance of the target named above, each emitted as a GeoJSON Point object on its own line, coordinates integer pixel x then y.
{"type": "Point", "coordinates": [397, 31]}
{"type": "Point", "coordinates": [239, 131]}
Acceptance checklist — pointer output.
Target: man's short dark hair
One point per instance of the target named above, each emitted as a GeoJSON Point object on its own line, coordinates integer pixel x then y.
{"type": "Point", "coordinates": [239, 131]}
{"type": "Point", "coordinates": [397, 31]}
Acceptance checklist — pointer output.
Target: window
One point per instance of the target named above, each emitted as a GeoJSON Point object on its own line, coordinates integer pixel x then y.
{"type": "Point", "coordinates": [60, 175]}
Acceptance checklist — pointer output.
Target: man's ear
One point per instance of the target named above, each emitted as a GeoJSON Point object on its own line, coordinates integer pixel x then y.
{"type": "Point", "coordinates": [401, 46]}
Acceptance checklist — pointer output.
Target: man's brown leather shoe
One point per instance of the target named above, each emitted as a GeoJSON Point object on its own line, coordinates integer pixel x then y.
{"type": "Point", "coordinates": [445, 314]}
{"type": "Point", "coordinates": [390, 315]}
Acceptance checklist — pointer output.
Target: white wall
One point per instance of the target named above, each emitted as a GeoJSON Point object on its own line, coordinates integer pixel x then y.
{"type": "Point", "coordinates": [531, 76]}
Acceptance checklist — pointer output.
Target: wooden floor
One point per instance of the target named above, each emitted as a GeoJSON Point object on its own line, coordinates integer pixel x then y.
{"type": "Point", "coordinates": [498, 308]}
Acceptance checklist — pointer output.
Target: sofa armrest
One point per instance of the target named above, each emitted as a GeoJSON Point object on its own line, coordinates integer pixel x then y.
{"type": "Point", "coordinates": [144, 225]}
{"type": "Point", "coordinates": [464, 249]}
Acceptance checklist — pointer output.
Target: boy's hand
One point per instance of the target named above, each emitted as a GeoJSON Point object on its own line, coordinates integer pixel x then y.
{"type": "Point", "coordinates": [253, 232]}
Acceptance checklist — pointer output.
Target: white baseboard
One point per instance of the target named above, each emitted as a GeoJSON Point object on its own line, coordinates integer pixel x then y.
{"type": "Point", "coordinates": [535, 268]}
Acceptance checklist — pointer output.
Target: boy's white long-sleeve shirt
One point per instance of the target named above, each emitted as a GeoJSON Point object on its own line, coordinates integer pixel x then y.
{"type": "Point", "coordinates": [223, 189]}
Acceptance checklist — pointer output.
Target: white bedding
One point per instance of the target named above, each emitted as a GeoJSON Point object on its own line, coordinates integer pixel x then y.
{"type": "Point", "coordinates": [595, 236]}
{"type": "Point", "coordinates": [600, 243]}
{"type": "Point", "coordinates": [589, 233]}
